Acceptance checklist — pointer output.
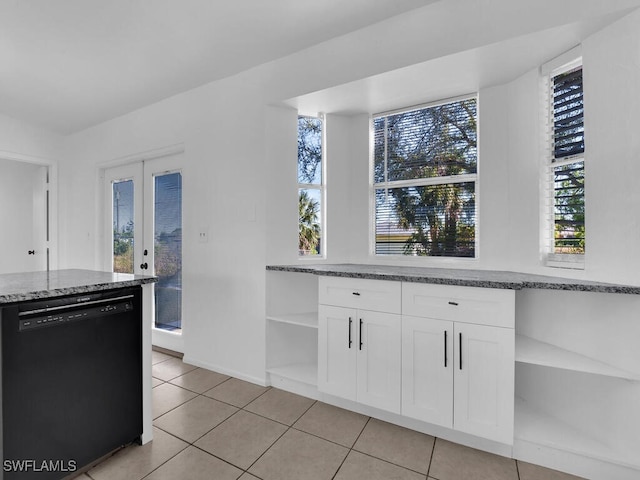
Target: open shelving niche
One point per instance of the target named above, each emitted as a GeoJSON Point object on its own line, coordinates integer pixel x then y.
{"type": "Point", "coordinates": [578, 382]}
{"type": "Point", "coordinates": [292, 331]}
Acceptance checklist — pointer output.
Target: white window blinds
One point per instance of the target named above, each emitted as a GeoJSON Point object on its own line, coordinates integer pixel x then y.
{"type": "Point", "coordinates": [568, 162]}
{"type": "Point", "coordinates": [424, 175]}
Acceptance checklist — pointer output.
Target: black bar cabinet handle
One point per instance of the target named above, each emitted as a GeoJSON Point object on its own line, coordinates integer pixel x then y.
{"type": "Point", "coordinates": [357, 294]}
{"type": "Point", "coordinates": [460, 349]}
{"type": "Point", "coordinates": [455, 304]}
{"type": "Point", "coordinates": [445, 349]}
{"type": "Point", "coordinates": [360, 334]}
{"type": "Point", "coordinates": [350, 322]}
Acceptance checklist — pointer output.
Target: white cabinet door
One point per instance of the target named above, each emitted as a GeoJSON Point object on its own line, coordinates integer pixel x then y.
{"type": "Point", "coordinates": [427, 370]}
{"type": "Point", "coordinates": [484, 381]}
{"type": "Point", "coordinates": [379, 360]}
{"type": "Point", "coordinates": [359, 356]}
{"type": "Point", "coordinates": [337, 349]}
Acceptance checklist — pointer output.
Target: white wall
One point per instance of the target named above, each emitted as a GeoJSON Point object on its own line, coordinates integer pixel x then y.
{"type": "Point", "coordinates": [612, 141]}
{"type": "Point", "coordinates": [25, 140]}
{"type": "Point", "coordinates": [222, 128]}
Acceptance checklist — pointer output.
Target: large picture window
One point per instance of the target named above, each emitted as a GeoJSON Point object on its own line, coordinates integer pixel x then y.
{"type": "Point", "coordinates": [424, 180]}
{"type": "Point", "coordinates": [310, 186]}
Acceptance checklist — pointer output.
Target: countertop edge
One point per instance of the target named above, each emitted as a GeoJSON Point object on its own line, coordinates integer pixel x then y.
{"type": "Point", "coordinates": [528, 281]}
{"type": "Point", "coordinates": [36, 294]}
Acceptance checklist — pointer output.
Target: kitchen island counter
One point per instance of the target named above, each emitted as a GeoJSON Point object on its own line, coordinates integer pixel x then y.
{"type": "Point", "coordinates": [19, 287]}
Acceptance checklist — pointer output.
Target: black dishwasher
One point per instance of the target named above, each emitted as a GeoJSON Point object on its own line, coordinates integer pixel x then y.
{"type": "Point", "coordinates": [71, 381]}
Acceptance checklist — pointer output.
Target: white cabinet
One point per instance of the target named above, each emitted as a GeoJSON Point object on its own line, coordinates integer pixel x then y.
{"type": "Point", "coordinates": [359, 349]}
{"type": "Point", "coordinates": [458, 358]}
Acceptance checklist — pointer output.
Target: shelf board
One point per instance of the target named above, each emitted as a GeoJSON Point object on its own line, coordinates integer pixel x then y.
{"type": "Point", "coordinates": [536, 427]}
{"type": "Point", "coordinates": [300, 372]}
{"type": "Point", "coordinates": [306, 319]}
{"type": "Point", "coordinates": [529, 350]}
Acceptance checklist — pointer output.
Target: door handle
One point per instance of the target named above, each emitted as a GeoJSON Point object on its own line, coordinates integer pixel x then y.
{"type": "Point", "coordinates": [460, 349]}
{"type": "Point", "coordinates": [144, 266]}
{"type": "Point", "coordinates": [445, 349]}
{"type": "Point", "coordinates": [360, 334]}
{"type": "Point", "coordinates": [350, 322]}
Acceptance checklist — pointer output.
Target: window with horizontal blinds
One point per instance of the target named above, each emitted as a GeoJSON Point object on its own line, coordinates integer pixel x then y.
{"type": "Point", "coordinates": [424, 175]}
{"type": "Point", "coordinates": [569, 207]}
{"type": "Point", "coordinates": [430, 142]}
{"type": "Point", "coordinates": [568, 114]}
{"type": "Point", "coordinates": [442, 221]}
{"type": "Point", "coordinates": [567, 162]}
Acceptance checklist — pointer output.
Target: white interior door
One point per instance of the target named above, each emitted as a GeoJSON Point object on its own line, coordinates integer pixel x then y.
{"type": "Point", "coordinates": [24, 216]}
{"type": "Point", "coordinates": [144, 213]}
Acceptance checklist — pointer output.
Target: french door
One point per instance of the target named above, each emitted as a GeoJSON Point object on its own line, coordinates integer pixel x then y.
{"type": "Point", "coordinates": [144, 221]}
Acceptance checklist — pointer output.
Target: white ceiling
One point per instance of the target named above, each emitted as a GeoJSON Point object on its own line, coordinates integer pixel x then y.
{"type": "Point", "coordinates": [69, 64]}
{"type": "Point", "coordinates": [451, 75]}
{"type": "Point", "coordinates": [66, 65]}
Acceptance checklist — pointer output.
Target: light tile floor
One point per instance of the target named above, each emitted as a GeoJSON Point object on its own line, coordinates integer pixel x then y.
{"type": "Point", "coordinates": [211, 426]}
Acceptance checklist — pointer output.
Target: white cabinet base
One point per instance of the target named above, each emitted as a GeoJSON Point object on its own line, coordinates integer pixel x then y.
{"type": "Point", "coordinates": [486, 445]}
{"type": "Point", "coordinates": [571, 462]}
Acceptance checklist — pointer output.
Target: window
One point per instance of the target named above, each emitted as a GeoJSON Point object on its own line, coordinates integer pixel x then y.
{"type": "Point", "coordinates": [566, 164]}
{"type": "Point", "coordinates": [424, 180]}
{"type": "Point", "coordinates": [310, 186]}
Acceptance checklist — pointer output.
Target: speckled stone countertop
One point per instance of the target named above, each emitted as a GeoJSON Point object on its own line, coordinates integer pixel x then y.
{"type": "Point", "coordinates": [19, 287]}
{"type": "Point", "coordinates": [460, 277]}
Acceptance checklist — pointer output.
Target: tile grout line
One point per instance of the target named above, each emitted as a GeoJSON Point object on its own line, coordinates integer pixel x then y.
{"type": "Point", "coordinates": [289, 427]}
{"type": "Point", "coordinates": [351, 448]}
{"type": "Point", "coordinates": [433, 450]}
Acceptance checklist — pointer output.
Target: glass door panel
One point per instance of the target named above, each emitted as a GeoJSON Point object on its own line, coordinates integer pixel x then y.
{"type": "Point", "coordinates": [167, 248]}
{"type": "Point", "coordinates": [123, 226]}
{"type": "Point", "coordinates": [123, 188]}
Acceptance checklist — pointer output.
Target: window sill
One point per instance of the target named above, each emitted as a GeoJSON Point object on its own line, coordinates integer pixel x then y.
{"type": "Point", "coordinates": [564, 260]}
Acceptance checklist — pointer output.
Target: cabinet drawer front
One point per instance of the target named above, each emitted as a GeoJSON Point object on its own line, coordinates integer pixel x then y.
{"type": "Point", "coordinates": [483, 306]}
{"type": "Point", "coordinates": [375, 295]}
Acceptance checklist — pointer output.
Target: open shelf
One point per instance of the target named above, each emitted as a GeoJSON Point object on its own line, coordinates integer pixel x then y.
{"type": "Point", "coordinates": [529, 350]}
{"type": "Point", "coordinates": [299, 372]}
{"type": "Point", "coordinates": [306, 319]}
{"type": "Point", "coordinates": [539, 428]}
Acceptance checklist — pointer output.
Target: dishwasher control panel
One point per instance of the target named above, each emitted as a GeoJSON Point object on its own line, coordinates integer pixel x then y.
{"type": "Point", "coordinates": [41, 319]}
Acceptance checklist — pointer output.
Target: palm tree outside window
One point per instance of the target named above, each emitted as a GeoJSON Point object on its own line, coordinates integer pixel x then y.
{"type": "Point", "coordinates": [310, 186]}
